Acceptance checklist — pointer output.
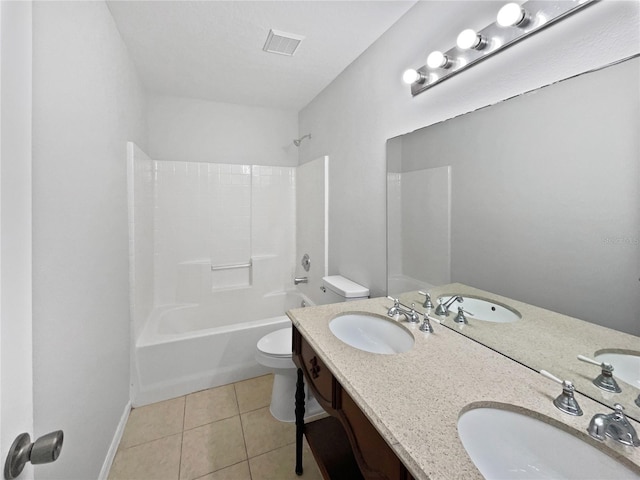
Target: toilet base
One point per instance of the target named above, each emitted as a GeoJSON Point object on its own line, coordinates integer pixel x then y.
{"type": "Point", "coordinates": [283, 398]}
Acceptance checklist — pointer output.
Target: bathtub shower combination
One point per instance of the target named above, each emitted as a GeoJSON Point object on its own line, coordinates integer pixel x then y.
{"type": "Point", "coordinates": [186, 348]}
{"type": "Point", "coordinates": [212, 262]}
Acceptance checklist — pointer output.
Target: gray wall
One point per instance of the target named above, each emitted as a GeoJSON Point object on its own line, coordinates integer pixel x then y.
{"type": "Point", "coordinates": [87, 102]}
{"type": "Point", "coordinates": [546, 195]}
{"type": "Point", "coordinates": [195, 130]}
{"type": "Point", "coordinates": [354, 116]}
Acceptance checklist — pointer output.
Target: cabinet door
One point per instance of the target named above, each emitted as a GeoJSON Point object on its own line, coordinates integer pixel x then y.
{"type": "Point", "coordinates": [374, 456]}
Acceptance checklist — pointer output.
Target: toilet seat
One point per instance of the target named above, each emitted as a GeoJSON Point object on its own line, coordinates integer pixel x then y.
{"type": "Point", "coordinates": [276, 344]}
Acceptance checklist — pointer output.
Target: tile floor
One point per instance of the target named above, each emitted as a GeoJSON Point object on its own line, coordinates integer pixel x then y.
{"type": "Point", "coordinates": [224, 433]}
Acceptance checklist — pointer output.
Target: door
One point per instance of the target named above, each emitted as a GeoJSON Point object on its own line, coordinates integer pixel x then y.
{"type": "Point", "coordinates": [16, 367]}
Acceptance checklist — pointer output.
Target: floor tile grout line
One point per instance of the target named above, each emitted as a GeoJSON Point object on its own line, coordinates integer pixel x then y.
{"type": "Point", "coordinates": [184, 414]}
{"type": "Point", "coordinates": [223, 468]}
{"type": "Point", "coordinates": [244, 440]}
{"type": "Point", "coordinates": [226, 418]}
{"type": "Point", "coordinates": [149, 441]}
{"type": "Point", "coordinates": [272, 450]}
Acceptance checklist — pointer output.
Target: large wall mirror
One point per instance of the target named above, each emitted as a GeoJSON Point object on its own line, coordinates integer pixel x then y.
{"type": "Point", "coordinates": [536, 198]}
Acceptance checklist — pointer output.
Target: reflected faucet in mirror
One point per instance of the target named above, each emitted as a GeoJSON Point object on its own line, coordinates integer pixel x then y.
{"type": "Point", "coordinates": [605, 380]}
{"type": "Point", "coordinates": [443, 305]}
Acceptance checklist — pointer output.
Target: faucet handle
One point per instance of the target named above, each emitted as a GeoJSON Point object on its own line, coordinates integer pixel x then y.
{"type": "Point", "coordinates": [605, 380]}
{"type": "Point", "coordinates": [460, 318]}
{"type": "Point", "coordinates": [412, 316]}
{"type": "Point", "coordinates": [427, 300]}
{"type": "Point", "coordinates": [565, 402]}
{"type": "Point", "coordinates": [426, 325]}
{"type": "Point", "coordinates": [619, 412]}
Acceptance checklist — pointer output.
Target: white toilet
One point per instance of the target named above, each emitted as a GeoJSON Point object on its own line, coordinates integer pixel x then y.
{"type": "Point", "coordinates": [274, 351]}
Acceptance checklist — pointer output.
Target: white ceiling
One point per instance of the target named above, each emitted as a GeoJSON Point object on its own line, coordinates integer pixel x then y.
{"type": "Point", "coordinates": [213, 49]}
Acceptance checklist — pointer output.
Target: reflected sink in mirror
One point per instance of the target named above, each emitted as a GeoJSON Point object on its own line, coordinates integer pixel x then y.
{"type": "Point", "coordinates": [626, 365]}
{"type": "Point", "coordinates": [505, 444]}
{"type": "Point", "coordinates": [371, 333]}
{"type": "Point", "coordinates": [483, 309]}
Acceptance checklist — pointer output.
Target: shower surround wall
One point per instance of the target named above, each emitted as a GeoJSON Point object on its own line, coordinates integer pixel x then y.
{"type": "Point", "coordinates": [419, 257]}
{"type": "Point", "coordinates": [140, 193]}
{"type": "Point", "coordinates": [189, 221]}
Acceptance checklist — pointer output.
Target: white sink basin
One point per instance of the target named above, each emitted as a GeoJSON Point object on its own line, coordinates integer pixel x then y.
{"type": "Point", "coordinates": [508, 445]}
{"type": "Point", "coordinates": [484, 310]}
{"type": "Point", "coordinates": [626, 366]}
{"type": "Point", "coordinates": [371, 333]}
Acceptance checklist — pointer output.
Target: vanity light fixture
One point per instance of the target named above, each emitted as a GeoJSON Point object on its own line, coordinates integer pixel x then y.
{"type": "Point", "coordinates": [437, 59]}
{"type": "Point", "coordinates": [512, 15]}
{"type": "Point", "coordinates": [514, 22]}
{"type": "Point", "coordinates": [469, 38]}
{"type": "Point", "coordinates": [413, 76]}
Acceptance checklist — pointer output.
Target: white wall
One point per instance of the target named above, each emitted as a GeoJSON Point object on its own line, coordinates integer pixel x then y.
{"type": "Point", "coordinates": [194, 130]}
{"type": "Point", "coordinates": [368, 103]}
{"type": "Point", "coordinates": [311, 225]}
{"type": "Point", "coordinates": [16, 388]}
{"type": "Point", "coordinates": [87, 102]}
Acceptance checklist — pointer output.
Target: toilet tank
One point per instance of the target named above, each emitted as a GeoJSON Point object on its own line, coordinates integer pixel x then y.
{"type": "Point", "coordinates": [340, 289]}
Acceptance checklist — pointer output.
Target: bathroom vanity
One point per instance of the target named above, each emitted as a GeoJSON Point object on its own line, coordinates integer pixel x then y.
{"type": "Point", "coordinates": [396, 416]}
{"type": "Point", "coordinates": [346, 442]}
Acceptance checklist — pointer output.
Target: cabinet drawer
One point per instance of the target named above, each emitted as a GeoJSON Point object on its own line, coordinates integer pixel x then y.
{"type": "Point", "coordinates": [317, 374]}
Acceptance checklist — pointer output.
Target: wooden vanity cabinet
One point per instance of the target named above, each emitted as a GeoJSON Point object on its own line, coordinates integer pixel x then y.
{"type": "Point", "coordinates": [345, 445]}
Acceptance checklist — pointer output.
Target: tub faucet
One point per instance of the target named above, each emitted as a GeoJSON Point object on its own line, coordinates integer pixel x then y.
{"type": "Point", "coordinates": [299, 280]}
{"type": "Point", "coordinates": [615, 425]}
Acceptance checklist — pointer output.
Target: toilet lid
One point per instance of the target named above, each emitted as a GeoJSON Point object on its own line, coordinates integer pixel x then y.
{"type": "Point", "coordinates": [276, 343]}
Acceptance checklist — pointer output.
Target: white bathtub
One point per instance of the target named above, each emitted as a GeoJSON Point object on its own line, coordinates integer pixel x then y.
{"type": "Point", "coordinates": [186, 348]}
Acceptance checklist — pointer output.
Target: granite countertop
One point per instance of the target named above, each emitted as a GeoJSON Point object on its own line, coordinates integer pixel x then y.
{"type": "Point", "coordinates": [414, 398]}
{"type": "Point", "coordinates": [545, 340]}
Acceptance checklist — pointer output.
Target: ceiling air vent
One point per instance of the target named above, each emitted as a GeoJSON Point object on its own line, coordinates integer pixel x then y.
{"type": "Point", "coordinates": [282, 43]}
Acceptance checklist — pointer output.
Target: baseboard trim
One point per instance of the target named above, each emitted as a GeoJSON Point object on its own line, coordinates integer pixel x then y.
{"type": "Point", "coordinates": [111, 454]}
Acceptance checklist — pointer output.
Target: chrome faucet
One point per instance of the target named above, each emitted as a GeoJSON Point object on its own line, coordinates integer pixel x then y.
{"type": "Point", "coordinates": [426, 324]}
{"type": "Point", "coordinates": [605, 380]}
{"type": "Point", "coordinates": [427, 299]}
{"type": "Point", "coordinates": [299, 280]}
{"type": "Point", "coordinates": [615, 425]}
{"type": "Point", "coordinates": [566, 401]}
{"type": "Point", "coordinates": [443, 307]}
{"type": "Point", "coordinates": [460, 318]}
{"type": "Point", "coordinates": [410, 315]}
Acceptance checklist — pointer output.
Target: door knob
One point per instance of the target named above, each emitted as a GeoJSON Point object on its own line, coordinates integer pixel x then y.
{"type": "Point", "coordinates": [45, 449]}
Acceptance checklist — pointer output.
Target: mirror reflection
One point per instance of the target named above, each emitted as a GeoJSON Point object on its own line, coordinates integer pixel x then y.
{"type": "Point", "coordinates": [534, 200]}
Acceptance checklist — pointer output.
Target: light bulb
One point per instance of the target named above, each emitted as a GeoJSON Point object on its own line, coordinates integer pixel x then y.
{"type": "Point", "coordinates": [437, 59]}
{"type": "Point", "coordinates": [511, 15]}
{"type": "Point", "coordinates": [412, 76]}
{"type": "Point", "coordinates": [469, 39]}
